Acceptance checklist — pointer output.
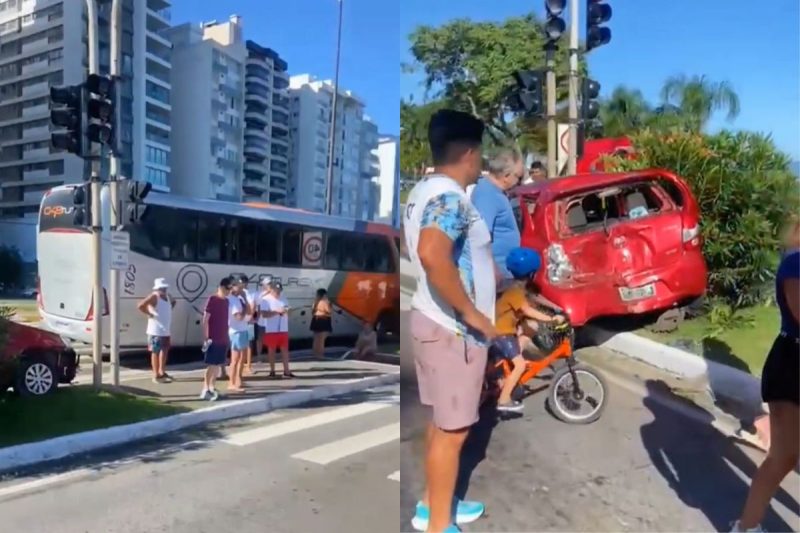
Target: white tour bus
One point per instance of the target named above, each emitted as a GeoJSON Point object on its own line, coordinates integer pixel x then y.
{"type": "Point", "coordinates": [196, 243]}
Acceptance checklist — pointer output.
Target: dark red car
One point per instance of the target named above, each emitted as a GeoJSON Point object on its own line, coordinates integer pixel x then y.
{"type": "Point", "coordinates": [32, 360]}
{"type": "Point", "coordinates": [614, 244]}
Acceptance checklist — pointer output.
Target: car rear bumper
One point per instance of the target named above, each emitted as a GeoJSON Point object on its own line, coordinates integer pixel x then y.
{"type": "Point", "coordinates": [675, 284]}
{"type": "Point", "coordinates": [67, 365]}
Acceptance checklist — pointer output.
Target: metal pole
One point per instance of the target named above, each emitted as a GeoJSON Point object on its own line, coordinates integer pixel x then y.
{"type": "Point", "coordinates": [332, 140]}
{"type": "Point", "coordinates": [97, 221]}
{"type": "Point", "coordinates": [572, 160]}
{"type": "Point", "coordinates": [552, 140]}
{"type": "Point", "coordinates": [113, 189]}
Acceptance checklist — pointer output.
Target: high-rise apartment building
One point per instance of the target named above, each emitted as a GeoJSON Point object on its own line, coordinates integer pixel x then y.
{"type": "Point", "coordinates": [369, 188]}
{"type": "Point", "coordinates": [266, 135]}
{"type": "Point", "coordinates": [43, 43]}
{"type": "Point", "coordinates": [208, 109]}
{"type": "Point", "coordinates": [311, 102]}
{"type": "Point", "coordinates": [389, 180]}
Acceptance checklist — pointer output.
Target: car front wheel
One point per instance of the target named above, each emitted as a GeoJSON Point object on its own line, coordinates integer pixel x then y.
{"type": "Point", "coordinates": [35, 377]}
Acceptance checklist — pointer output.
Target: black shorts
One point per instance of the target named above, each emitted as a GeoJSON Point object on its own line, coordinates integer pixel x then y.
{"type": "Point", "coordinates": [321, 324]}
{"type": "Point", "coordinates": [780, 379]}
{"type": "Point", "coordinates": [506, 346]}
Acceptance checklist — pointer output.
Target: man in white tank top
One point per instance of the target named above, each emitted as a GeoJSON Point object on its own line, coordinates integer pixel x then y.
{"type": "Point", "coordinates": [452, 312]}
{"type": "Point", "coordinates": [158, 309]}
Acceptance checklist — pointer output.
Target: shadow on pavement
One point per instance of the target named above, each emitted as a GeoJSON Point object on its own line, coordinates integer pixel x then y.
{"type": "Point", "coordinates": [700, 472]}
{"type": "Point", "coordinates": [474, 451]}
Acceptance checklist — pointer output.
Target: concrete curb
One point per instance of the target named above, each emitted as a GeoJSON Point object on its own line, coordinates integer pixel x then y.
{"type": "Point", "coordinates": [723, 381]}
{"type": "Point", "coordinates": [60, 447]}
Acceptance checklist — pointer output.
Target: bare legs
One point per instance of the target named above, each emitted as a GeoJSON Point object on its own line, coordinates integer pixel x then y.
{"type": "Point", "coordinates": [441, 473]}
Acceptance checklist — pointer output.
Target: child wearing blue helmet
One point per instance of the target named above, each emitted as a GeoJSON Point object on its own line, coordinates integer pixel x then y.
{"type": "Point", "coordinates": [511, 310]}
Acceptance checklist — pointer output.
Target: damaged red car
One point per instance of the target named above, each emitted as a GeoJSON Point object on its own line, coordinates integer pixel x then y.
{"type": "Point", "coordinates": [614, 243]}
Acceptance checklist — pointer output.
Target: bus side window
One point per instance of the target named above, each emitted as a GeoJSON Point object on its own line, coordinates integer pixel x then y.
{"type": "Point", "coordinates": [211, 238]}
{"type": "Point", "coordinates": [292, 241]}
{"type": "Point", "coordinates": [270, 236]}
{"type": "Point", "coordinates": [378, 255]}
{"type": "Point", "coordinates": [353, 252]}
{"type": "Point", "coordinates": [332, 247]}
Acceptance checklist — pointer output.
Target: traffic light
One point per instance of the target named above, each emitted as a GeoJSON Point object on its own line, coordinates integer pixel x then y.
{"type": "Point", "coordinates": [133, 194]}
{"type": "Point", "coordinates": [528, 97]}
{"type": "Point", "coordinates": [66, 113]}
{"type": "Point", "coordinates": [590, 90]}
{"type": "Point", "coordinates": [597, 13]}
{"type": "Point", "coordinates": [100, 109]}
{"type": "Point", "coordinates": [81, 200]}
{"type": "Point", "coordinates": [554, 26]}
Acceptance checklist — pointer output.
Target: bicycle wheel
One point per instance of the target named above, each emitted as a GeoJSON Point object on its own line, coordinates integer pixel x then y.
{"type": "Point", "coordinates": [566, 403]}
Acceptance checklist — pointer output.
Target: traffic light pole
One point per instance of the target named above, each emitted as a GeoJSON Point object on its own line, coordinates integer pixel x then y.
{"type": "Point", "coordinates": [572, 159]}
{"type": "Point", "coordinates": [113, 189]}
{"type": "Point", "coordinates": [97, 222]}
{"type": "Point", "coordinates": [552, 140]}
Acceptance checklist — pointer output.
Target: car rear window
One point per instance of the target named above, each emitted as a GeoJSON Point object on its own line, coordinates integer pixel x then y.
{"type": "Point", "coordinates": [597, 209]}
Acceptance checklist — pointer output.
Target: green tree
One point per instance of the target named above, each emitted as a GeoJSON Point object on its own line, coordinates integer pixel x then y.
{"type": "Point", "coordinates": [10, 266]}
{"type": "Point", "coordinates": [696, 98]}
{"type": "Point", "coordinates": [415, 154]}
{"type": "Point", "coordinates": [471, 64]}
{"type": "Point", "coordinates": [624, 112]}
{"type": "Point", "coordinates": [745, 190]}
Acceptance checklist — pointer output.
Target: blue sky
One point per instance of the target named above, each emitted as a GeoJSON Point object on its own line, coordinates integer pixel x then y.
{"type": "Point", "coordinates": [756, 49]}
{"type": "Point", "coordinates": [304, 33]}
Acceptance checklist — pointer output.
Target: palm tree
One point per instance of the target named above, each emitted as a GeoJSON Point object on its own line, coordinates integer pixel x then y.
{"type": "Point", "coordinates": [697, 98]}
{"type": "Point", "coordinates": [624, 112]}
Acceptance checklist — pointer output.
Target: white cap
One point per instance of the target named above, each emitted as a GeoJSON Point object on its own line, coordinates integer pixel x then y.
{"type": "Point", "coordinates": [265, 281]}
{"type": "Point", "coordinates": [160, 283]}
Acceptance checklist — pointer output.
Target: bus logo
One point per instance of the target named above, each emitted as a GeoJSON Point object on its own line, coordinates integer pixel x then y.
{"type": "Point", "coordinates": [56, 211]}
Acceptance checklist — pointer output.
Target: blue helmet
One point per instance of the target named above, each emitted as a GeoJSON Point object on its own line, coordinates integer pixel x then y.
{"type": "Point", "coordinates": [523, 262]}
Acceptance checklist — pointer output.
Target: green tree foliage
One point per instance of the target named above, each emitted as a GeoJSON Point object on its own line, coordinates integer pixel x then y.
{"type": "Point", "coordinates": [746, 191]}
{"type": "Point", "coordinates": [10, 266]}
{"type": "Point", "coordinates": [470, 65]}
{"type": "Point", "coordinates": [415, 154]}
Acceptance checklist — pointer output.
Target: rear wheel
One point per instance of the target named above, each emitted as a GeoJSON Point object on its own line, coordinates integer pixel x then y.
{"type": "Point", "coordinates": [577, 405]}
{"type": "Point", "coordinates": [36, 376]}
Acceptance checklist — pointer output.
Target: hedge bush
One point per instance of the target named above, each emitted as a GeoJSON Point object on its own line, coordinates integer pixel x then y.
{"type": "Point", "coordinates": [745, 189]}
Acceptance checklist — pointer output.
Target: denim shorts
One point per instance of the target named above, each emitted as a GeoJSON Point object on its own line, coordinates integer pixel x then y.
{"type": "Point", "coordinates": [239, 340]}
{"type": "Point", "coordinates": [506, 346]}
{"type": "Point", "coordinates": [216, 354]}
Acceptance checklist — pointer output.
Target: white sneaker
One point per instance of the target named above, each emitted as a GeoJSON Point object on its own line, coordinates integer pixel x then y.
{"type": "Point", "coordinates": [205, 394]}
{"type": "Point", "coordinates": [737, 529]}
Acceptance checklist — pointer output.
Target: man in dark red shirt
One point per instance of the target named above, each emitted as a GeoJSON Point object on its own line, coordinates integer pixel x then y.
{"type": "Point", "coordinates": [215, 327]}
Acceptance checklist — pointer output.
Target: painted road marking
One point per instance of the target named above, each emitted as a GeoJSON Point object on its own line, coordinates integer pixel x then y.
{"type": "Point", "coordinates": [395, 476]}
{"type": "Point", "coordinates": [244, 438]}
{"type": "Point", "coordinates": [338, 449]}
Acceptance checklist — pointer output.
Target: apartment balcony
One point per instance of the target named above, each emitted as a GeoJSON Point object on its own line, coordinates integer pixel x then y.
{"type": "Point", "coordinates": [35, 46]}
{"type": "Point", "coordinates": [259, 119]}
{"type": "Point", "coordinates": [282, 157]}
{"type": "Point", "coordinates": [163, 15]}
{"type": "Point", "coordinates": [41, 132]}
{"type": "Point", "coordinates": [161, 59]}
{"type": "Point", "coordinates": [37, 152]}
{"type": "Point", "coordinates": [281, 140]}
{"type": "Point", "coordinates": [157, 21]}
{"type": "Point", "coordinates": [33, 68]}
{"type": "Point", "coordinates": [36, 111]}
{"type": "Point", "coordinates": [278, 183]}
{"type": "Point", "coordinates": [254, 184]}
{"type": "Point", "coordinates": [280, 103]}
{"type": "Point", "coordinates": [258, 80]}
{"type": "Point", "coordinates": [34, 202]}
{"type": "Point", "coordinates": [256, 167]}
{"type": "Point", "coordinates": [257, 150]}
{"type": "Point", "coordinates": [253, 97]}
{"type": "Point", "coordinates": [256, 134]}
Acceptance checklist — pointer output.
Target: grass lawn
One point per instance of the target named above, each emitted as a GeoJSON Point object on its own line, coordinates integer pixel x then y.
{"type": "Point", "coordinates": [72, 410]}
{"type": "Point", "coordinates": [744, 348]}
{"type": "Point", "coordinates": [26, 310]}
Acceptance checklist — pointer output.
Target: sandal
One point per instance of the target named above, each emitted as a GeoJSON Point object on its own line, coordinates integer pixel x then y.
{"type": "Point", "coordinates": [273, 375]}
{"type": "Point", "coordinates": [289, 375]}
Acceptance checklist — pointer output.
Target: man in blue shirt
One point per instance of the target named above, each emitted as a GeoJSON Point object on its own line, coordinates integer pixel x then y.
{"type": "Point", "coordinates": [505, 170]}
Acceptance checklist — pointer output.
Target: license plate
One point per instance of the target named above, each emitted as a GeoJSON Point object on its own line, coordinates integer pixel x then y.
{"type": "Point", "coordinates": [637, 293]}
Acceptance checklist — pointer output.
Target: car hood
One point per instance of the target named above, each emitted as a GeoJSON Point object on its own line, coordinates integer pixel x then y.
{"type": "Point", "coordinates": [20, 337]}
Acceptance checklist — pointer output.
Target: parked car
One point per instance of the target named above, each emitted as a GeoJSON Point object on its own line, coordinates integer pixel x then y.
{"type": "Point", "coordinates": [33, 361]}
{"type": "Point", "coordinates": [614, 244]}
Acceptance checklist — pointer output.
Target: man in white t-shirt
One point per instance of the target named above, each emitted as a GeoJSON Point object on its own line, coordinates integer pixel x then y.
{"type": "Point", "coordinates": [239, 318]}
{"type": "Point", "coordinates": [274, 315]}
{"type": "Point", "coordinates": [452, 312]}
{"type": "Point", "coordinates": [258, 297]}
{"type": "Point", "coordinates": [247, 363]}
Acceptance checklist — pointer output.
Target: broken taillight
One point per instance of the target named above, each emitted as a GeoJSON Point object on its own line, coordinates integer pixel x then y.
{"type": "Point", "coordinates": [559, 267]}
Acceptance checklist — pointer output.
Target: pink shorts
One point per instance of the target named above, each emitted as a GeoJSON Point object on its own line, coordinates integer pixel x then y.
{"type": "Point", "coordinates": [450, 373]}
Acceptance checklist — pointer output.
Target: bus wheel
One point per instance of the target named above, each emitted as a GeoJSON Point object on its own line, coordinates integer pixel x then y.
{"type": "Point", "coordinates": [386, 326]}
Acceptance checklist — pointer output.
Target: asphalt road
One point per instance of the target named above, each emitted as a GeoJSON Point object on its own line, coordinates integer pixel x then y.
{"type": "Point", "coordinates": [328, 466]}
{"type": "Point", "coordinates": [642, 467]}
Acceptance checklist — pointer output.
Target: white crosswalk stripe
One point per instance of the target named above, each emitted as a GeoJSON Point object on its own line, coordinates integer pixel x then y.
{"type": "Point", "coordinates": [332, 451]}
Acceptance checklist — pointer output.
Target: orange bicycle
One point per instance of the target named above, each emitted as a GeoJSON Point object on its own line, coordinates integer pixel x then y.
{"type": "Point", "coordinates": [570, 381]}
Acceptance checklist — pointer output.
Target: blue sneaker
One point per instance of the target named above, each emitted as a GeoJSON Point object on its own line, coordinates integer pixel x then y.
{"type": "Point", "coordinates": [452, 528]}
{"type": "Point", "coordinates": [466, 511]}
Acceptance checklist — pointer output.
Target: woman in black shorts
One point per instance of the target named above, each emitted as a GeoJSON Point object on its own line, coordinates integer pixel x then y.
{"type": "Point", "coordinates": [321, 322]}
{"type": "Point", "coordinates": [780, 389]}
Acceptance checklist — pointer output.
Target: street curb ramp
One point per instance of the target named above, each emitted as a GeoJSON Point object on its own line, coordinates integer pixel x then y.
{"type": "Point", "coordinates": [724, 382]}
{"type": "Point", "coordinates": [60, 447]}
